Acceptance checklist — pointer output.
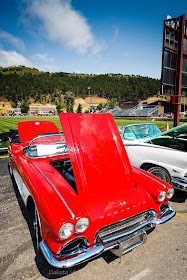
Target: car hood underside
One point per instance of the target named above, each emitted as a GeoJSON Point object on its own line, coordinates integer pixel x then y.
{"type": "Point", "coordinates": [98, 156]}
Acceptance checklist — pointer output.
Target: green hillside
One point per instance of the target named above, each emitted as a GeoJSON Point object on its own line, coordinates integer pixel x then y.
{"type": "Point", "coordinates": [23, 83]}
{"type": "Point", "coordinates": [20, 70]}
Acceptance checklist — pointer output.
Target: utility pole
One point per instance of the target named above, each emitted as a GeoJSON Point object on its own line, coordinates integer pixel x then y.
{"type": "Point", "coordinates": [89, 97]}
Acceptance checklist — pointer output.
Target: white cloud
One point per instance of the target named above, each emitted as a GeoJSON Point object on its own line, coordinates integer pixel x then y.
{"type": "Point", "coordinates": [42, 57]}
{"type": "Point", "coordinates": [47, 67]}
{"type": "Point", "coordinates": [12, 58]}
{"type": "Point", "coordinates": [9, 38]}
{"type": "Point", "coordinates": [64, 25]}
{"type": "Point", "coordinates": [43, 63]}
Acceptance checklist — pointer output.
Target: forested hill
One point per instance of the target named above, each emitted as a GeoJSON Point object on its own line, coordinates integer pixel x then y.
{"type": "Point", "coordinates": [22, 83]}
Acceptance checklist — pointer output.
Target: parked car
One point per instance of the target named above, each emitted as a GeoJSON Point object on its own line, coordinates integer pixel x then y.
{"type": "Point", "coordinates": [138, 132]}
{"type": "Point", "coordinates": [87, 197]}
{"type": "Point", "coordinates": [164, 156]}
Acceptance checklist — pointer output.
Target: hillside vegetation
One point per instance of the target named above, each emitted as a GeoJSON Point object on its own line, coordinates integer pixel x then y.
{"type": "Point", "coordinates": [23, 83]}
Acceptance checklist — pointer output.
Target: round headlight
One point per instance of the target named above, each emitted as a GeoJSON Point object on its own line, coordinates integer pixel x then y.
{"type": "Point", "coordinates": [162, 196]}
{"type": "Point", "coordinates": [170, 193]}
{"type": "Point", "coordinates": [66, 231]}
{"type": "Point", "coordinates": [82, 225]}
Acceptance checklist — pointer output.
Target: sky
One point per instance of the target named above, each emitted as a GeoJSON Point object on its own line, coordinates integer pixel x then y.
{"type": "Point", "coordinates": [86, 36]}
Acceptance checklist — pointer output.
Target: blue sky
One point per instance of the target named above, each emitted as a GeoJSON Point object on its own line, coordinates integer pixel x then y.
{"type": "Point", "coordinates": [82, 36]}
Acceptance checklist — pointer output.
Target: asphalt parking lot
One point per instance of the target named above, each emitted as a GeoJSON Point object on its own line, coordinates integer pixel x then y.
{"type": "Point", "coordinates": [163, 256]}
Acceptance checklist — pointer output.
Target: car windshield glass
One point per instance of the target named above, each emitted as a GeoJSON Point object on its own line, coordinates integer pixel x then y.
{"type": "Point", "coordinates": [140, 131]}
{"type": "Point", "coordinates": [120, 129]}
{"type": "Point", "coordinates": [176, 132]}
{"type": "Point", "coordinates": [47, 145]}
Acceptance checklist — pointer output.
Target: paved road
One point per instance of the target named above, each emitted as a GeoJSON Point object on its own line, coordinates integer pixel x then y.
{"type": "Point", "coordinates": [164, 256]}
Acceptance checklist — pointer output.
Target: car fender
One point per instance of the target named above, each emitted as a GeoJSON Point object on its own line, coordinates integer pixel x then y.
{"type": "Point", "coordinates": [174, 161]}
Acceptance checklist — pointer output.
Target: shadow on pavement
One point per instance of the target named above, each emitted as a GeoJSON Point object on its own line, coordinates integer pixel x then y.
{"type": "Point", "coordinates": [45, 269]}
{"type": "Point", "coordinates": [179, 196]}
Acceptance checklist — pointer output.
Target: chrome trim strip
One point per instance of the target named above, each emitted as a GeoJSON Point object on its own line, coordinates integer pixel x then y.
{"type": "Point", "coordinates": [142, 144]}
{"type": "Point", "coordinates": [179, 183]}
{"type": "Point", "coordinates": [65, 203]}
{"type": "Point", "coordinates": [148, 145]}
{"type": "Point", "coordinates": [89, 254]}
{"type": "Point", "coordinates": [148, 176]}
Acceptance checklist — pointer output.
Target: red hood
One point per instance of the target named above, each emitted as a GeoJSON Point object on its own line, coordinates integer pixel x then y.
{"type": "Point", "coordinates": [30, 129]}
{"type": "Point", "coordinates": [100, 162]}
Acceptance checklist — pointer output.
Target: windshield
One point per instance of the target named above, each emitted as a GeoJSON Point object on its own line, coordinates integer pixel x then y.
{"type": "Point", "coordinates": [120, 129]}
{"type": "Point", "coordinates": [46, 145]}
{"type": "Point", "coordinates": [175, 138]}
{"type": "Point", "coordinates": [138, 131]}
{"type": "Point", "coordinates": [176, 132]}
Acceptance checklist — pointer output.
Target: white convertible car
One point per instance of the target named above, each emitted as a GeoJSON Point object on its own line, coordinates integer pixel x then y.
{"type": "Point", "coordinates": [138, 132]}
{"type": "Point", "coordinates": [164, 155]}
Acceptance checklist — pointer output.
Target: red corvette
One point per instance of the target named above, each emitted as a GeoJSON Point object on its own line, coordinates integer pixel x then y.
{"type": "Point", "coordinates": [87, 197]}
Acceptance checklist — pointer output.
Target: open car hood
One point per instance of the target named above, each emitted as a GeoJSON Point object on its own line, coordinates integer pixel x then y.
{"type": "Point", "coordinates": [31, 129]}
{"type": "Point", "coordinates": [173, 132]}
{"type": "Point", "coordinates": [100, 162]}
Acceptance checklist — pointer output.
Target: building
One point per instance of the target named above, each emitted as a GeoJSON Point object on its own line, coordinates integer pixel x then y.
{"type": "Point", "coordinates": [39, 108]}
{"type": "Point", "coordinates": [4, 111]}
{"type": "Point", "coordinates": [164, 103]}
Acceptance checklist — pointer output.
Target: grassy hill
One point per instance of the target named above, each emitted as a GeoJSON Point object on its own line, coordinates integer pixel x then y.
{"type": "Point", "coordinates": [31, 85]}
{"type": "Point", "coordinates": [20, 70]}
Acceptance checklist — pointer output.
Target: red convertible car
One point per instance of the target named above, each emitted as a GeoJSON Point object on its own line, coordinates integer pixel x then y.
{"type": "Point", "coordinates": [88, 199]}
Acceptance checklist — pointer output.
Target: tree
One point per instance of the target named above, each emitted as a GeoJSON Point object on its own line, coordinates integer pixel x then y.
{"type": "Point", "coordinates": [69, 101]}
{"type": "Point", "coordinates": [58, 108]}
{"type": "Point", "coordinates": [100, 106]}
{"type": "Point", "coordinates": [18, 83]}
{"type": "Point", "coordinates": [24, 107]}
{"type": "Point", "coordinates": [112, 103]}
{"type": "Point", "coordinates": [79, 109]}
{"type": "Point", "coordinates": [14, 105]}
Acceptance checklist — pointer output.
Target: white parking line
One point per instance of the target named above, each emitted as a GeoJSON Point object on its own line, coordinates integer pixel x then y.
{"type": "Point", "coordinates": [142, 274]}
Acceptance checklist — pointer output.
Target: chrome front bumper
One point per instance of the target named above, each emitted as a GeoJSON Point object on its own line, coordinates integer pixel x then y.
{"type": "Point", "coordinates": [119, 248]}
{"type": "Point", "coordinates": [86, 256]}
{"type": "Point", "coordinates": [166, 215]}
{"type": "Point", "coordinates": [180, 183]}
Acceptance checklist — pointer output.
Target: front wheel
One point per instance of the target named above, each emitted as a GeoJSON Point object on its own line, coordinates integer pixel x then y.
{"type": "Point", "coordinates": [161, 173]}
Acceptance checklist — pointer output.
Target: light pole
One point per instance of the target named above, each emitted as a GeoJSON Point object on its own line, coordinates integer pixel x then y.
{"type": "Point", "coordinates": [89, 97]}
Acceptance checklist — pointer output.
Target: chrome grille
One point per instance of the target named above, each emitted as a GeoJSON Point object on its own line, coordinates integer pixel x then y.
{"type": "Point", "coordinates": [125, 227]}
